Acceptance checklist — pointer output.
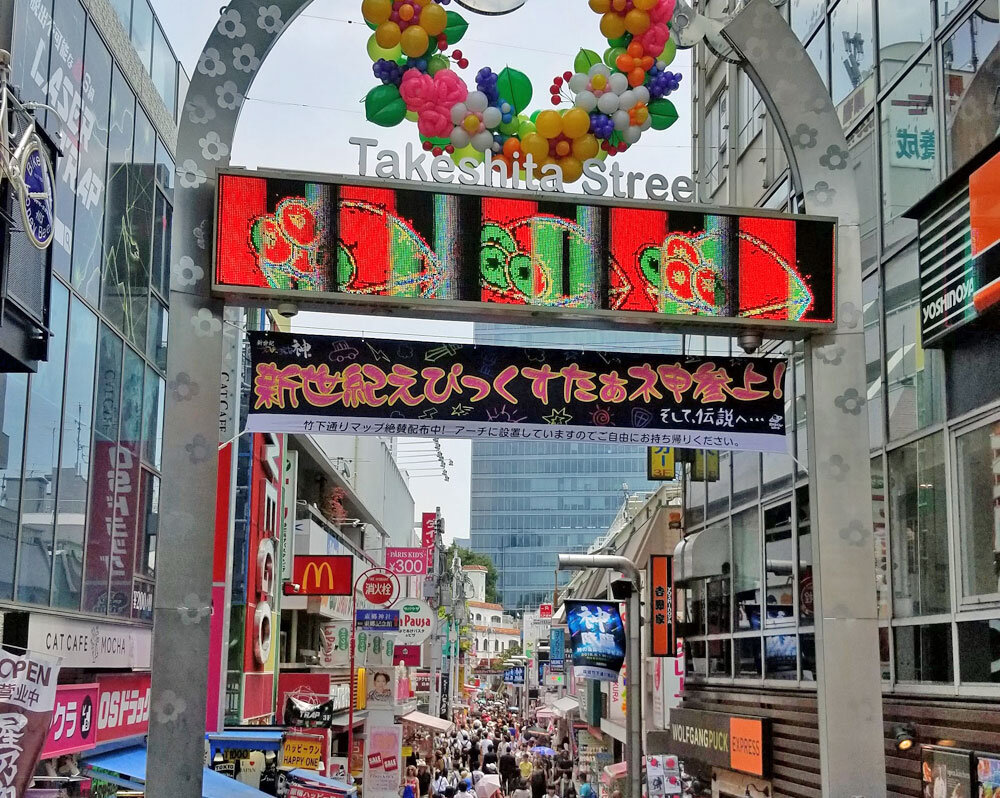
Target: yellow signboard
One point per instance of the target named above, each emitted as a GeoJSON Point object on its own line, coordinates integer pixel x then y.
{"type": "Point", "coordinates": [301, 751]}
{"type": "Point", "coordinates": [660, 464]}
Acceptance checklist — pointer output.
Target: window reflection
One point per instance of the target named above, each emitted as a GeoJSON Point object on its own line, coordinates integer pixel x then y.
{"type": "Point", "coordinates": [805, 15]}
{"type": "Point", "coordinates": [779, 566]}
{"type": "Point", "coordinates": [881, 539]}
{"type": "Point", "coordinates": [13, 398]}
{"type": "Point", "coordinates": [746, 570]}
{"type": "Point", "coordinates": [971, 58]}
{"type": "Point", "coordinates": [979, 651]}
{"type": "Point", "coordinates": [903, 27]}
{"type": "Point", "coordinates": [818, 52]}
{"type": "Point", "coordinates": [871, 315]}
{"type": "Point", "coordinates": [919, 528]}
{"type": "Point", "coordinates": [852, 47]}
{"type": "Point", "coordinates": [979, 510]}
{"type": "Point", "coordinates": [748, 664]}
{"type": "Point", "coordinates": [720, 658]}
{"type": "Point", "coordinates": [923, 653]}
{"type": "Point", "coordinates": [806, 595]}
{"type": "Point", "coordinates": [164, 69]}
{"type": "Point", "coordinates": [861, 144]}
{"type": "Point", "coordinates": [142, 31]}
{"type": "Point", "coordinates": [781, 657]}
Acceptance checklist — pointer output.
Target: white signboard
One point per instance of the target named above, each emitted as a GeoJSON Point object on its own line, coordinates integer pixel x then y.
{"type": "Point", "coordinates": [87, 644]}
{"type": "Point", "coordinates": [416, 622]}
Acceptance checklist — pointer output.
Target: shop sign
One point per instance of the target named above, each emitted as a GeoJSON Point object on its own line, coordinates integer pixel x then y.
{"type": "Point", "coordinates": [378, 620]}
{"type": "Point", "coordinates": [514, 675]}
{"type": "Point", "coordinates": [322, 575]}
{"type": "Point", "coordinates": [946, 771]}
{"type": "Point", "coordinates": [662, 601]}
{"type": "Point", "coordinates": [302, 751]}
{"type": "Point", "coordinates": [422, 682]}
{"type": "Point", "coordinates": [733, 742]}
{"type": "Point", "coordinates": [404, 561]}
{"type": "Point", "coordinates": [123, 707]}
{"type": "Point", "coordinates": [380, 588]}
{"type": "Point", "coordinates": [289, 495]}
{"type": "Point", "coordinates": [27, 698]}
{"type": "Point", "coordinates": [597, 638]}
{"type": "Point", "coordinates": [383, 762]}
{"type": "Point", "coordinates": [416, 622]}
{"type": "Point", "coordinates": [557, 649]}
{"type": "Point", "coordinates": [85, 644]}
{"type": "Point", "coordinates": [74, 720]}
{"type": "Point", "coordinates": [335, 644]}
{"type": "Point", "coordinates": [544, 610]}
{"type": "Point", "coordinates": [475, 256]}
{"type": "Point", "coordinates": [428, 533]}
{"type": "Point", "coordinates": [687, 402]}
{"type": "Point", "coordinates": [660, 464]}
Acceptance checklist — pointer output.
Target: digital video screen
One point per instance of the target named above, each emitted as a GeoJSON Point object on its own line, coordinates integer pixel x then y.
{"type": "Point", "coordinates": [285, 236]}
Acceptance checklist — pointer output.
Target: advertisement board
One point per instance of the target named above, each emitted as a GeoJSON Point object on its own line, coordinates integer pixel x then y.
{"type": "Point", "coordinates": [74, 720]}
{"type": "Point", "coordinates": [734, 742]}
{"type": "Point", "coordinates": [302, 751]}
{"type": "Point", "coordinates": [416, 622]}
{"type": "Point", "coordinates": [424, 250]}
{"type": "Point", "coordinates": [386, 387]}
{"type": "Point", "coordinates": [383, 762]}
{"type": "Point", "coordinates": [946, 771]}
{"type": "Point", "coordinates": [321, 575]}
{"type": "Point", "coordinates": [662, 602]}
{"type": "Point", "coordinates": [123, 707]}
{"type": "Point", "coordinates": [404, 561]}
{"type": "Point", "coordinates": [557, 649]}
{"type": "Point", "coordinates": [597, 639]}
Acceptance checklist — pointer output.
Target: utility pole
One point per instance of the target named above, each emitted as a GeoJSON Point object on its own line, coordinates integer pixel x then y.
{"type": "Point", "coordinates": [434, 707]}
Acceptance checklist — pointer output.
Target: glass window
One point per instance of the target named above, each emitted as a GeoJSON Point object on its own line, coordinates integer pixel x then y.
{"type": "Point", "coordinates": [979, 651]}
{"type": "Point", "coordinates": [142, 31]}
{"type": "Point", "coordinates": [918, 528]}
{"type": "Point", "coordinates": [156, 341]}
{"type": "Point", "coordinates": [751, 111]}
{"type": "Point", "coordinates": [807, 645]}
{"type": "Point", "coordinates": [801, 411]}
{"type": "Point", "coordinates": [861, 143]}
{"type": "Point", "coordinates": [805, 16]}
{"type": "Point", "coordinates": [748, 657]}
{"type": "Point", "coordinates": [914, 375]}
{"type": "Point", "coordinates": [695, 499]}
{"type": "Point", "coordinates": [779, 566]}
{"type": "Point", "coordinates": [781, 657]}
{"type": "Point", "coordinates": [164, 170]}
{"type": "Point", "coordinates": [41, 459]}
{"type": "Point", "coordinates": [979, 509]}
{"type": "Point", "coordinates": [746, 570]}
{"type": "Point", "coordinates": [65, 95]}
{"type": "Point", "coordinates": [852, 49]}
{"type": "Point", "coordinates": [118, 239]}
{"type": "Point", "coordinates": [123, 8]}
{"type": "Point", "coordinates": [164, 72]}
{"type": "Point", "coordinates": [819, 54]}
{"type": "Point", "coordinates": [716, 140]}
{"type": "Point", "coordinates": [909, 149]}
{"type": "Point", "coordinates": [746, 473]}
{"type": "Point", "coordinates": [74, 472]}
{"type": "Point", "coordinates": [183, 84]}
{"type": "Point", "coordinates": [107, 398]}
{"type": "Point", "coordinates": [718, 491]}
{"type": "Point", "coordinates": [694, 604]}
{"type": "Point", "coordinates": [903, 27]}
{"type": "Point", "coordinates": [87, 230]}
{"type": "Point", "coordinates": [694, 657]}
{"type": "Point", "coordinates": [881, 538]}
{"type": "Point", "coordinates": [719, 610]}
{"type": "Point", "coordinates": [923, 653]}
{"type": "Point", "coordinates": [720, 658]}
{"type": "Point", "coordinates": [777, 472]}
{"type": "Point", "coordinates": [805, 549]}
{"type": "Point", "coordinates": [970, 80]}
{"type": "Point", "coordinates": [13, 399]}
{"type": "Point", "coordinates": [871, 315]}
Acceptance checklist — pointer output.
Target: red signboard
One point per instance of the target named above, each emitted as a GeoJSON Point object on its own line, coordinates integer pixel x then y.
{"type": "Point", "coordinates": [407, 655]}
{"type": "Point", "coordinates": [428, 532]}
{"type": "Point", "coordinates": [326, 575]}
{"type": "Point", "coordinates": [661, 600]}
{"type": "Point", "coordinates": [378, 589]}
{"type": "Point", "coordinates": [123, 708]}
{"type": "Point", "coordinates": [73, 720]}
{"type": "Point", "coordinates": [405, 561]}
{"type": "Point", "coordinates": [317, 684]}
{"type": "Point", "coordinates": [544, 610]}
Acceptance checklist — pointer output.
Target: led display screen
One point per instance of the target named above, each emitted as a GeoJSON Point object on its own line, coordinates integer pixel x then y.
{"type": "Point", "coordinates": [471, 255]}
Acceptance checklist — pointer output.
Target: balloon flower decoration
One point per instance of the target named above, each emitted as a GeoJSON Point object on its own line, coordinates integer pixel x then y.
{"type": "Point", "coordinates": [601, 108]}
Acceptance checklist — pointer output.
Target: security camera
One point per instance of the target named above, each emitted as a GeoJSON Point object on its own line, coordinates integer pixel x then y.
{"type": "Point", "coordinates": [287, 310]}
{"type": "Point", "coordinates": [749, 341]}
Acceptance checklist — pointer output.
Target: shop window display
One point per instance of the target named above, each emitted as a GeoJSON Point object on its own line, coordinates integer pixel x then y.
{"type": "Point", "coordinates": [748, 659]}
{"type": "Point", "coordinates": [720, 658]}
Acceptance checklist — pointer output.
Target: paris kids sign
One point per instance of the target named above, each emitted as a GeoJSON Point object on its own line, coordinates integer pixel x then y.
{"type": "Point", "coordinates": [359, 386]}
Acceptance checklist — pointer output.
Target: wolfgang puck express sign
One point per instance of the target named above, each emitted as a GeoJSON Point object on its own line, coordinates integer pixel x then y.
{"type": "Point", "coordinates": [733, 742]}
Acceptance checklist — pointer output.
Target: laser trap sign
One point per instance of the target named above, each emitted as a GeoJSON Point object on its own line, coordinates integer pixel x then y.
{"type": "Point", "coordinates": [358, 386]}
{"type": "Point", "coordinates": [523, 257]}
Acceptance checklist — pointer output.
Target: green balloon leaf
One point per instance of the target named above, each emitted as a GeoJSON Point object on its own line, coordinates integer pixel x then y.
{"type": "Point", "coordinates": [585, 59]}
{"type": "Point", "coordinates": [663, 114]}
{"type": "Point", "coordinates": [456, 27]}
{"type": "Point", "coordinates": [384, 106]}
{"type": "Point", "coordinates": [515, 88]}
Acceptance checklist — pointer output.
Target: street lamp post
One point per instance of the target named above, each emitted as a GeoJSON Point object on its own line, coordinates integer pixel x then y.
{"type": "Point", "coordinates": [633, 653]}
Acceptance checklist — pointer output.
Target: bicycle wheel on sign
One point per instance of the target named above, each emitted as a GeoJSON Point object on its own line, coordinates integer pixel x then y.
{"type": "Point", "coordinates": [36, 194]}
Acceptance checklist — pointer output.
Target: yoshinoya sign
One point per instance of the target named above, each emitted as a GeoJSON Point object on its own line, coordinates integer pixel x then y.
{"type": "Point", "coordinates": [86, 644]}
{"type": "Point", "coordinates": [361, 386]}
{"type": "Point", "coordinates": [733, 742]}
{"type": "Point", "coordinates": [527, 257]}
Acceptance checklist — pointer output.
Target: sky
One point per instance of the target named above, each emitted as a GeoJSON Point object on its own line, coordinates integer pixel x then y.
{"type": "Point", "coordinates": [306, 103]}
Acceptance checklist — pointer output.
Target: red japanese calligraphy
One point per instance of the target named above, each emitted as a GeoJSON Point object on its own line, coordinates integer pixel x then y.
{"type": "Point", "coordinates": [710, 383]}
{"type": "Point", "coordinates": [613, 388]}
{"type": "Point", "coordinates": [747, 393]}
{"type": "Point", "coordinates": [675, 379]}
{"type": "Point", "coordinates": [647, 390]}
{"type": "Point", "coordinates": [579, 384]}
{"type": "Point", "coordinates": [432, 375]}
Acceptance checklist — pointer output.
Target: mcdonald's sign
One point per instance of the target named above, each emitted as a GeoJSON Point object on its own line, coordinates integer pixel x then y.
{"type": "Point", "coordinates": [328, 575]}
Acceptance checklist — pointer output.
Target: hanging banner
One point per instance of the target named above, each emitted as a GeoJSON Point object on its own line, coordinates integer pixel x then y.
{"type": "Point", "coordinates": [289, 494]}
{"type": "Point", "coordinates": [27, 698]}
{"type": "Point", "coordinates": [307, 715]}
{"type": "Point", "coordinates": [557, 649]}
{"type": "Point", "coordinates": [358, 386]}
{"type": "Point", "coordinates": [383, 760]}
{"type": "Point", "coordinates": [597, 638]}
{"type": "Point", "coordinates": [661, 599]}
{"type": "Point", "coordinates": [428, 533]}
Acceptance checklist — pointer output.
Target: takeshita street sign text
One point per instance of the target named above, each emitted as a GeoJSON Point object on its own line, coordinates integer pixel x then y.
{"type": "Point", "coordinates": [472, 254]}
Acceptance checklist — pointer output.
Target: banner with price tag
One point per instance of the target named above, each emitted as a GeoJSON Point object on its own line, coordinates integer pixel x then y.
{"type": "Point", "coordinates": [406, 561]}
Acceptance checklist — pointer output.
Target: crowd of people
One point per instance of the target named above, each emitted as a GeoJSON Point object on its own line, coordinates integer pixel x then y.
{"type": "Point", "coordinates": [494, 755]}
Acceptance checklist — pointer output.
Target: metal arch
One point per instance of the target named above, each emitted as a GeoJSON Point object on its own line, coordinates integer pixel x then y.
{"type": "Point", "coordinates": [240, 41]}
{"type": "Point", "coordinates": [849, 686]}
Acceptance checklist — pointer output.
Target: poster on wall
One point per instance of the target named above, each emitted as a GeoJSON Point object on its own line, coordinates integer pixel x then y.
{"type": "Point", "coordinates": [363, 386]}
{"type": "Point", "coordinates": [380, 688]}
{"type": "Point", "coordinates": [27, 698]}
{"type": "Point", "coordinates": [383, 761]}
{"type": "Point", "coordinates": [597, 639]}
{"type": "Point", "coordinates": [988, 773]}
{"type": "Point", "coordinates": [947, 772]}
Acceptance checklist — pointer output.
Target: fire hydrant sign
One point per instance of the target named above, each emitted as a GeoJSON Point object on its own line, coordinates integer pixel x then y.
{"type": "Point", "coordinates": [416, 622]}
{"type": "Point", "coordinates": [383, 762]}
{"type": "Point", "coordinates": [406, 561]}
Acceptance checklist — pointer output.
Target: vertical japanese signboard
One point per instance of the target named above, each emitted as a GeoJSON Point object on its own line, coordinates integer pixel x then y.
{"type": "Point", "coordinates": [597, 637]}
{"type": "Point", "coordinates": [662, 604]}
{"type": "Point", "coordinates": [557, 649]}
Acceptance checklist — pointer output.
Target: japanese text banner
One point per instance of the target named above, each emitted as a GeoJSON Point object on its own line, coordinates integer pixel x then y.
{"type": "Point", "coordinates": [359, 386]}
{"type": "Point", "coordinates": [597, 638]}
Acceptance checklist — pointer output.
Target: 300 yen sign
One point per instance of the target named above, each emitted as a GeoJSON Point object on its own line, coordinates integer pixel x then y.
{"type": "Point", "coordinates": [406, 561]}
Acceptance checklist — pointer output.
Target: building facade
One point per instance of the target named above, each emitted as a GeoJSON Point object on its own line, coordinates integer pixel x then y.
{"type": "Point", "coordinates": [532, 501]}
{"type": "Point", "coordinates": [82, 437]}
{"type": "Point", "coordinates": [905, 78]}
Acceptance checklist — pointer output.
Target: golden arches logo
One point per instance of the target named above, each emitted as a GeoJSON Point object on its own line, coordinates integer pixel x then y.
{"type": "Point", "coordinates": [317, 571]}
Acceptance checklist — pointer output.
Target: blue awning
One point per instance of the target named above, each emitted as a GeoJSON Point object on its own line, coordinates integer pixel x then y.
{"type": "Point", "coordinates": [311, 777]}
{"type": "Point", "coordinates": [253, 740]}
{"type": "Point", "coordinates": [127, 768]}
